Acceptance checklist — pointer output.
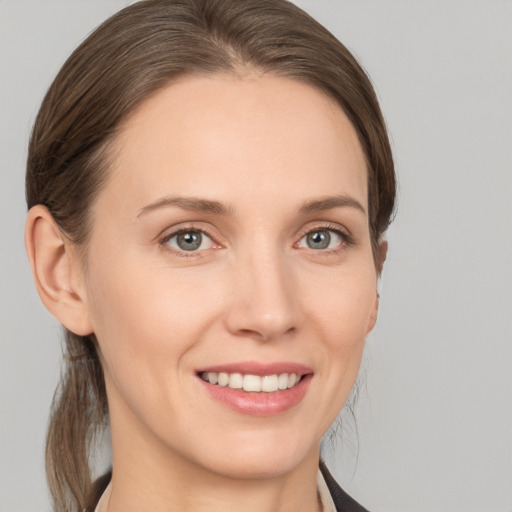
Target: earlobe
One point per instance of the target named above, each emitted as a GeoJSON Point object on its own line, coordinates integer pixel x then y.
{"type": "Point", "coordinates": [55, 271]}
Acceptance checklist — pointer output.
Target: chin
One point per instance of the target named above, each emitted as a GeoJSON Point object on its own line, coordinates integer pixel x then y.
{"type": "Point", "coordinates": [259, 467]}
{"type": "Point", "coordinates": [258, 454]}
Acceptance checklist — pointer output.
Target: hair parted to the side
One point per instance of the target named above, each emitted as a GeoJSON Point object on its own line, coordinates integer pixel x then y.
{"type": "Point", "coordinates": [129, 57]}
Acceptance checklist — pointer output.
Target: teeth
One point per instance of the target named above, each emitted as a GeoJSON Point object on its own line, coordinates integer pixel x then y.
{"type": "Point", "coordinates": [236, 381]}
{"type": "Point", "coordinates": [270, 383]}
{"type": "Point", "coordinates": [252, 383]}
{"type": "Point", "coordinates": [282, 381]}
{"type": "Point", "coordinates": [223, 379]}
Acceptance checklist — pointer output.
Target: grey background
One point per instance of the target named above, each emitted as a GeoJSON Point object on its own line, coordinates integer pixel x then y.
{"type": "Point", "coordinates": [434, 418]}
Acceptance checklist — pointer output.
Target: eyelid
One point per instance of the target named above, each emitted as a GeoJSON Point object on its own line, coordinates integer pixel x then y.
{"type": "Point", "coordinates": [169, 233]}
{"type": "Point", "coordinates": [166, 234]}
{"type": "Point", "coordinates": [343, 232]}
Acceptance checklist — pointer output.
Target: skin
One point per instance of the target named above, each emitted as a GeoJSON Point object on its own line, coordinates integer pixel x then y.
{"type": "Point", "coordinates": [262, 147]}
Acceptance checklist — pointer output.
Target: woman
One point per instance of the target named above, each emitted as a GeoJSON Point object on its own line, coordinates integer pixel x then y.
{"type": "Point", "coordinates": [209, 183]}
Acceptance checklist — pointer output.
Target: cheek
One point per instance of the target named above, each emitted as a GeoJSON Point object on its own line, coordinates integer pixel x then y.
{"type": "Point", "coordinates": [147, 318]}
{"type": "Point", "coordinates": [124, 317]}
{"type": "Point", "coordinates": [345, 305]}
{"type": "Point", "coordinates": [344, 312]}
{"type": "Point", "coordinates": [144, 324]}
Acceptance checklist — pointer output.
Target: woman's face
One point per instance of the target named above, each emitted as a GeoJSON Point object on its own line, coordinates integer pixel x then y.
{"type": "Point", "coordinates": [231, 243]}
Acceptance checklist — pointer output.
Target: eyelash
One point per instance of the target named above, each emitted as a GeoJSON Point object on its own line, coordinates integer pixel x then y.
{"type": "Point", "coordinates": [346, 240]}
{"type": "Point", "coordinates": [164, 242]}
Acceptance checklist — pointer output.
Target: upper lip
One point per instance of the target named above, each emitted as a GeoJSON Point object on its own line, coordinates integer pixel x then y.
{"type": "Point", "coordinates": [257, 368]}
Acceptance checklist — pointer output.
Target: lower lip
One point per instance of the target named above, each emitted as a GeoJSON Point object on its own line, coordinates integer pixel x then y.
{"type": "Point", "coordinates": [259, 403]}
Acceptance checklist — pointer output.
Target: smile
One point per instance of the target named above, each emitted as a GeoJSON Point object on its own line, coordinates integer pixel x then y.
{"type": "Point", "coordinates": [252, 383]}
{"type": "Point", "coordinates": [256, 389]}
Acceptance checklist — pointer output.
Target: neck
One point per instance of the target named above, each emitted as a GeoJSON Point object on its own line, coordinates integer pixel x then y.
{"type": "Point", "coordinates": [200, 491]}
{"type": "Point", "coordinates": [151, 478]}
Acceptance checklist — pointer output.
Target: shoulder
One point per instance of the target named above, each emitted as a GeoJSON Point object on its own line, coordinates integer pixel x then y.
{"type": "Point", "coordinates": [343, 502]}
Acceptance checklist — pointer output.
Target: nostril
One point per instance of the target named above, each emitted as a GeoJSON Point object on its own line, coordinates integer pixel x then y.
{"type": "Point", "coordinates": [266, 334]}
{"type": "Point", "coordinates": [264, 306]}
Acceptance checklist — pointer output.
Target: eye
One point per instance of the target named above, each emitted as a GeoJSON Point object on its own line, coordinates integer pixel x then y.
{"type": "Point", "coordinates": [189, 240]}
{"type": "Point", "coordinates": [321, 239]}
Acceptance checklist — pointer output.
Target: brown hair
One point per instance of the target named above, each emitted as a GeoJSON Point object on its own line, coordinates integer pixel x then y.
{"type": "Point", "coordinates": [129, 57]}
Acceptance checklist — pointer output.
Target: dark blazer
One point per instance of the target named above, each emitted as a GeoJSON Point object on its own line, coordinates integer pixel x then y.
{"type": "Point", "coordinates": [342, 501]}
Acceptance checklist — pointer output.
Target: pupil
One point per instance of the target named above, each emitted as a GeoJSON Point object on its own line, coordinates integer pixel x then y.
{"type": "Point", "coordinates": [189, 241]}
{"type": "Point", "coordinates": [319, 240]}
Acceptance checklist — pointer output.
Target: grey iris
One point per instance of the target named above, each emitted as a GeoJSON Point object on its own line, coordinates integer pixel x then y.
{"type": "Point", "coordinates": [318, 239]}
{"type": "Point", "coordinates": [189, 240]}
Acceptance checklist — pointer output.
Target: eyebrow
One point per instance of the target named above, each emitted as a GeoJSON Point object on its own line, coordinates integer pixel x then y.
{"type": "Point", "coordinates": [330, 202]}
{"type": "Point", "coordinates": [215, 207]}
{"type": "Point", "coordinates": [194, 204]}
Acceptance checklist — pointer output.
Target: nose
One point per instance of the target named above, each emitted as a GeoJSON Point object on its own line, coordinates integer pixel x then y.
{"type": "Point", "coordinates": [264, 302]}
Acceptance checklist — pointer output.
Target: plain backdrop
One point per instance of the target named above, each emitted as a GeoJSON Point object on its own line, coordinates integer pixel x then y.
{"type": "Point", "coordinates": [434, 416]}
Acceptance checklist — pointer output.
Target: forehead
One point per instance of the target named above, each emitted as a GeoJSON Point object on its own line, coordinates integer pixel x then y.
{"type": "Point", "coordinates": [227, 136]}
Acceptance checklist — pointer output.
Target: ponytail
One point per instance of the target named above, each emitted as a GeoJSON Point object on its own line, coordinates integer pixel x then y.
{"type": "Point", "coordinates": [79, 412]}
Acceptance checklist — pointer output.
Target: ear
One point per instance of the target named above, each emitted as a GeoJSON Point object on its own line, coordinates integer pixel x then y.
{"type": "Point", "coordinates": [381, 258]}
{"type": "Point", "coordinates": [382, 253]}
{"type": "Point", "coordinates": [56, 270]}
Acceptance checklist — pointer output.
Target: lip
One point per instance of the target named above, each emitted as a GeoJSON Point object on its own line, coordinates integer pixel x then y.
{"type": "Point", "coordinates": [260, 369]}
{"type": "Point", "coordinates": [258, 403]}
